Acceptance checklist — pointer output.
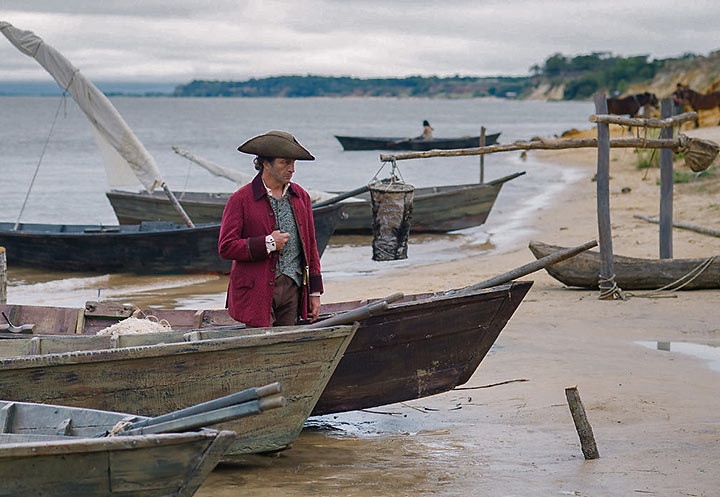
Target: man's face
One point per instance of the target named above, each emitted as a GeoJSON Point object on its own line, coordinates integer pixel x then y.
{"type": "Point", "coordinates": [281, 170]}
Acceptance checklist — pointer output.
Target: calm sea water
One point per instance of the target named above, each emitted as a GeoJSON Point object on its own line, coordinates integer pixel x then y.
{"type": "Point", "coordinates": [71, 183]}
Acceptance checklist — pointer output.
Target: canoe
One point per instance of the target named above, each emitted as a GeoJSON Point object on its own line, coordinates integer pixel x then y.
{"type": "Point", "coordinates": [435, 209]}
{"type": "Point", "coordinates": [152, 247]}
{"type": "Point", "coordinates": [49, 450]}
{"type": "Point", "coordinates": [631, 273]}
{"type": "Point", "coordinates": [155, 374]}
{"type": "Point", "coordinates": [136, 207]}
{"type": "Point", "coordinates": [418, 144]}
{"type": "Point", "coordinates": [422, 345]}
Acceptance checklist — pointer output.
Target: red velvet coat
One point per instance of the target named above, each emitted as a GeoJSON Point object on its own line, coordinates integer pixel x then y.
{"type": "Point", "coordinates": [247, 219]}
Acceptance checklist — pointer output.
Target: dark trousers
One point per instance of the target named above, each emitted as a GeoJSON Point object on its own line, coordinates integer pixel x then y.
{"type": "Point", "coordinates": [285, 302]}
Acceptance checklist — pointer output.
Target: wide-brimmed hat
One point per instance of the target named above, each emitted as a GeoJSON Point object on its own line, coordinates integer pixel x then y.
{"type": "Point", "coordinates": [276, 144]}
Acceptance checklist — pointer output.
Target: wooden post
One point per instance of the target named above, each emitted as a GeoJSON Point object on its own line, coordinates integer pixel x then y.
{"type": "Point", "coordinates": [607, 271]}
{"type": "Point", "coordinates": [482, 157]}
{"type": "Point", "coordinates": [584, 430]}
{"type": "Point", "coordinates": [3, 276]}
{"type": "Point", "coordinates": [666, 186]}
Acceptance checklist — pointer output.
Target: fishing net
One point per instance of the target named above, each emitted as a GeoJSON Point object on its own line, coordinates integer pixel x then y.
{"type": "Point", "coordinates": [392, 204]}
{"type": "Point", "coordinates": [135, 324]}
{"type": "Point", "coordinates": [698, 153]}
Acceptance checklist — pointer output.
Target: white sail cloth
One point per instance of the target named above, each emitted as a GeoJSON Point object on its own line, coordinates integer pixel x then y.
{"type": "Point", "coordinates": [127, 162]}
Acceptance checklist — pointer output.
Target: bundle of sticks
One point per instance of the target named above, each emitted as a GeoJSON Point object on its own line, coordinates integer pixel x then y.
{"type": "Point", "coordinates": [238, 405]}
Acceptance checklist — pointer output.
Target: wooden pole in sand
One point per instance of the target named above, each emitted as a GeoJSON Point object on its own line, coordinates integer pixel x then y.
{"type": "Point", "coordinates": [666, 185]}
{"type": "Point", "coordinates": [3, 276]}
{"type": "Point", "coordinates": [482, 157]}
{"type": "Point", "coordinates": [607, 271]}
{"type": "Point", "coordinates": [584, 430]}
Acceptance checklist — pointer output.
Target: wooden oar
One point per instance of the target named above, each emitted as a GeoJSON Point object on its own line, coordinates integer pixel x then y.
{"type": "Point", "coordinates": [357, 314]}
{"type": "Point", "coordinates": [531, 267]}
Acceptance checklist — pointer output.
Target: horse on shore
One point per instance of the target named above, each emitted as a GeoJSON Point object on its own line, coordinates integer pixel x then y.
{"type": "Point", "coordinates": [700, 101]}
{"type": "Point", "coordinates": [631, 105]}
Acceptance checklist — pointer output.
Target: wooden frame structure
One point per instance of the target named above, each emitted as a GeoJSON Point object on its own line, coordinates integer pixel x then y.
{"type": "Point", "coordinates": [603, 143]}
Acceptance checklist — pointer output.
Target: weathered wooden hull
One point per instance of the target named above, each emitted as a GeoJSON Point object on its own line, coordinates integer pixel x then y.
{"type": "Point", "coordinates": [422, 345]}
{"type": "Point", "coordinates": [158, 378]}
{"type": "Point", "coordinates": [418, 144]}
{"type": "Point", "coordinates": [631, 273]}
{"type": "Point", "coordinates": [35, 460]}
{"type": "Point", "coordinates": [136, 207]}
{"type": "Point", "coordinates": [115, 249]}
{"type": "Point", "coordinates": [435, 209]}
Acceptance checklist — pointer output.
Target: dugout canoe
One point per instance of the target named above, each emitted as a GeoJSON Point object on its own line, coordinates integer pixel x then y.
{"type": "Point", "coordinates": [422, 345]}
{"type": "Point", "coordinates": [631, 273]}
{"type": "Point", "coordinates": [202, 207]}
{"type": "Point", "coordinates": [436, 209]}
{"type": "Point", "coordinates": [49, 450]}
{"type": "Point", "coordinates": [156, 373]}
{"type": "Point", "coordinates": [416, 144]}
{"type": "Point", "coordinates": [152, 247]}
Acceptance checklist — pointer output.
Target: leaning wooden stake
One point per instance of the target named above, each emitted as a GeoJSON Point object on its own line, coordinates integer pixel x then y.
{"type": "Point", "coordinates": [587, 440]}
{"type": "Point", "coordinates": [3, 276]}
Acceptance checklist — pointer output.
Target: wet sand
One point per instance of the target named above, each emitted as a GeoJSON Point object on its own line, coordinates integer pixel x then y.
{"type": "Point", "coordinates": [654, 412]}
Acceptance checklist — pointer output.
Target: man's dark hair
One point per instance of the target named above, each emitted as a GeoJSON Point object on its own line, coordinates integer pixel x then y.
{"type": "Point", "coordinates": [259, 162]}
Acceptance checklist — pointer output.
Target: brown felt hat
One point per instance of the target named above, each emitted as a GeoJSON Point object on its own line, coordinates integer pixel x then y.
{"type": "Point", "coordinates": [276, 144]}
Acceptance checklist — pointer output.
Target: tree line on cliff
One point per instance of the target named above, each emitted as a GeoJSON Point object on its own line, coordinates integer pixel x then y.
{"type": "Point", "coordinates": [580, 76]}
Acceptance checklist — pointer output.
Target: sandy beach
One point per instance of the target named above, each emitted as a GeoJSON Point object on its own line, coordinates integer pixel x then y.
{"type": "Point", "coordinates": [653, 412]}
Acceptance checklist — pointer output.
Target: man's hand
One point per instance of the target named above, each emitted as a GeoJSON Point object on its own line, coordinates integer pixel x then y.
{"type": "Point", "coordinates": [280, 238]}
{"type": "Point", "coordinates": [314, 307]}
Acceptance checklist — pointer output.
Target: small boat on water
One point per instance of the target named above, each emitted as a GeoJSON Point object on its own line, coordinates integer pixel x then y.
{"type": "Point", "coordinates": [157, 373]}
{"type": "Point", "coordinates": [421, 345]}
{"type": "Point", "coordinates": [632, 273]}
{"type": "Point", "coordinates": [416, 144]}
{"type": "Point", "coordinates": [54, 451]}
{"type": "Point", "coordinates": [435, 209]}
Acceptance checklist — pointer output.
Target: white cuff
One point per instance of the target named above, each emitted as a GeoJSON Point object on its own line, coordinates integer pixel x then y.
{"type": "Point", "coordinates": [315, 294]}
{"type": "Point", "coordinates": [270, 244]}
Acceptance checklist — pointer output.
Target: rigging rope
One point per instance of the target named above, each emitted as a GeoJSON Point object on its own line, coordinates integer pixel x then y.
{"type": "Point", "coordinates": [670, 287]}
{"type": "Point", "coordinates": [42, 155]}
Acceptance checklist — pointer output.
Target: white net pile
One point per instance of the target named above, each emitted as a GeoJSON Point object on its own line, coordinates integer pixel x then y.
{"type": "Point", "coordinates": [137, 323]}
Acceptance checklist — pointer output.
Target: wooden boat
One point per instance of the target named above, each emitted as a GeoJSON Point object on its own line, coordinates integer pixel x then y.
{"type": "Point", "coordinates": [418, 144]}
{"type": "Point", "coordinates": [158, 373]}
{"type": "Point", "coordinates": [422, 345]}
{"type": "Point", "coordinates": [435, 209]}
{"type": "Point", "coordinates": [146, 248]}
{"type": "Point", "coordinates": [631, 273]}
{"type": "Point", "coordinates": [49, 450]}
{"type": "Point", "coordinates": [136, 207]}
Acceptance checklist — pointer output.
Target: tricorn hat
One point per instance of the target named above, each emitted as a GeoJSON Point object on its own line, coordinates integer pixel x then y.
{"type": "Point", "coordinates": [276, 144]}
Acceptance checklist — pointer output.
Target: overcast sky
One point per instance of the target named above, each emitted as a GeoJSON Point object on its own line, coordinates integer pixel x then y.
{"type": "Point", "coordinates": [180, 40]}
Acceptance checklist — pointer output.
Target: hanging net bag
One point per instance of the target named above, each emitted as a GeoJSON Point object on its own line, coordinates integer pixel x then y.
{"type": "Point", "coordinates": [699, 154]}
{"type": "Point", "coordinates": [392, 202]}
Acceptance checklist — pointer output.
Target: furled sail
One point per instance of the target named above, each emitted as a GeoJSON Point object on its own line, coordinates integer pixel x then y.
{"type": "Point", "coordinates": [127, 162]}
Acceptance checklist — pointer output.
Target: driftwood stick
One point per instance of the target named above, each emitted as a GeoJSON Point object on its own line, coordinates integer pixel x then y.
{"type": "Point", "coordinates": [642, 122]}
{"type": "Point", "coordinates": [3, 276]}
{"type": "Point", "coordinates": [584, 430]}
{"type": "Point", "coordinates": [537, 145]}
{"type": "Point", "coordinates": [685, 226]}
{"type": "Point", "coordinates": [491, 384]}
{"type": "Point", "coordinates": [528, 268]}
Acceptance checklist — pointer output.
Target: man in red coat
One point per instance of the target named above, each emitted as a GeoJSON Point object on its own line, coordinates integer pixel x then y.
{"type": "Point", "coordinates": [268, 232]}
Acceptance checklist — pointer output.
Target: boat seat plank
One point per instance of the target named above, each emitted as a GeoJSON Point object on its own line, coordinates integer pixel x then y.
{"type": "Point", "coordinates": [65, 427]}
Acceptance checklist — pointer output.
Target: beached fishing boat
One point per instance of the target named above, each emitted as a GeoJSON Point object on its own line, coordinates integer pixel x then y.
{"type": "Point", "coordinates": [417, 144]}
{"type": "Point", "coordinates": [435, 209]}
{"type": "Point", "coordinates": [422, 345]}
{"type": "Point", "coordinates": [53, 451]}
{"type": "Point", "coordinates": [633, 273]}
{"type": "Point", "coordinates": [147, 248]}
{"type": "Point", "coordinates": [154, 374]}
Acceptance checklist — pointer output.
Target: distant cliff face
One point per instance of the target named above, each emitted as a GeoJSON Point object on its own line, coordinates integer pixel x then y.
{"type": "Point", "coordinates": [700, 73]}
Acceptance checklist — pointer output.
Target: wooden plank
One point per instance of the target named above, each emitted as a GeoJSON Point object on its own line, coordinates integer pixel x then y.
{"type": "Point", "coordinates": [607, 272]}
{"type": "Point", "coordinates": [65, 427]}
{"type": "Point", "coordinates": [6, 417]}
{"type": "Point", "coordinates": [664, 122]}
{"type": "Point", "coordinates": [666, 186]}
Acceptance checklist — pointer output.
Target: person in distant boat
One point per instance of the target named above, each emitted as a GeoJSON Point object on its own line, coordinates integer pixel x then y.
{"type": "Point", "coordinates": [268, 232]}
{"type": "Point", "coordinates": [427, 131]}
